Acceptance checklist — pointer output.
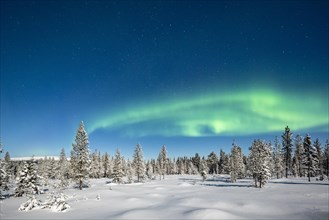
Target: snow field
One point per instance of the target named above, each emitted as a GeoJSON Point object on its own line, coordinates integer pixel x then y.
{"type": "Point", "coordinates": [186, 197]}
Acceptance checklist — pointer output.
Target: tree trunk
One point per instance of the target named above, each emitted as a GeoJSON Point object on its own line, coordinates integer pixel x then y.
{"type": "Point", "coordinates": [80, 184]}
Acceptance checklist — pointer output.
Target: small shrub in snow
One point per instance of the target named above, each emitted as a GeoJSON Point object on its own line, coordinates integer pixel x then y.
{"type": "Point", "coordinates": [30, 204]}
{"type": "Point", "coordinates": [56, 203]}
{"type": "Point", "coordinates": [98, 197]}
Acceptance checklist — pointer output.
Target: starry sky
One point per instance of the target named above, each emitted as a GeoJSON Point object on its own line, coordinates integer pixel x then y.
{"type": "Point", "coordinates": [193, 75]}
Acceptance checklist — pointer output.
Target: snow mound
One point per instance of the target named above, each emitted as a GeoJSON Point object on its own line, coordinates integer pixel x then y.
{"type": "Point", "coordinates": [209, 214]}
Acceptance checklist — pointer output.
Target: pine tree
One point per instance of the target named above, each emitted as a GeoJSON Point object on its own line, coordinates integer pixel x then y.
{"type": "Point", "coordinates": [299, 150]}
{"type": "Point", "coordinates": [95, 171]}
{"type": "Point", "coordinates": [4, 175]}
{"type": "Point", "coordinates": [310, 158]}
{"type": "Point", "coordinates": [63, 170]}
{"type": "Point", "coordinates": [162, 161]}
{"type": "Point", "coordinates": [259, 162]}
{"type": "Point", "coordinates": [7, 157]}
{"type": "Point", "coordinates": [236, 163]}
{"type": "Point", "coordinates": [317, 146]}
{"type": "Point", "coordinates": [80, 158]}
{"type": "Point", "coordinates": [326, 159]}
{"type": "Point", "coordinates": [212, 162]}
{"type": "Point", "coordinates": [28, 180]}
{"type": "Point", "coordinates": [287, 149]}
{"type": "Point", "coordinates": [138, 163]}
{"type": "Point", "coordinates": [118, 170]}
{"type": "Point", "coordinates": [204, 169]}
{"type": "Point", "coordinates": [149, 170]}
{"type": "Point", "coordinates": [130, 172]}
{"type": "Point", "coordinates": [106, 165]}
{"type": "Point", "coordinates": [278, 161]}
{"type": "Point", "coordinates": [196, 161]}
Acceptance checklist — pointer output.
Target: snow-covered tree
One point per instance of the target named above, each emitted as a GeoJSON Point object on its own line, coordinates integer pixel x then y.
{"type": "Point", "coordinates": [63, 170]}
{"type": "Point", "coordinates": [162, 161]}
{"type": "Point", "coordinates": [149, 170]}
{"type": "Point", "coordinates": [212, 161]}
{"type": "Point", "coordinates": [317, 146]}
{"type": "Point", "coordinates": [130, 172]}
{"type": "Point", "coordinates": [30, 204]}
{"type": "Point", "coordinates": [310, 158]}
{"type": "Point", "coordinates": [56, 202]}
{"type": "Point", "coordinates": [80, 158]}
{"type": "Point", "coordinates": [95, 168]}
{"type": "Point", "coordinates": [236, 163]}
{"type": "Point", "coordinates": [27, 181]}
{"type": "Point", "coordinates": [278, 158]}
{"type": "Point", "coordinates": [4, 175]}
{"type": "Point", "coordinates": [138, 163]}
{"type": "Point", "coordinates": [259, 162]}
{"type": "Point", "coordinates": [106, 163]}
{"type": "Point", "coordinates": [196, 160]}
{"type": "Point", "coordinates": [326, 159]}
{"type": "Point", "coordinates": [118, 170]}
{"type": "Point", "coordinates": [7, 157]}
{"type": "Point", "coordinates": [287, 149]}
{"type": "Point", "coordinates": [203, 169]}
{"type": "Point", "coordinates": [299, 150]}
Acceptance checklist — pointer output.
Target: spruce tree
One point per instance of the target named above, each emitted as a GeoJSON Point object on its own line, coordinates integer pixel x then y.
{"type": "Point", "coordinates": [28, 180]}
{"type": "Point", "coordinates": [236, 163]}
{"type": "Point", "coordinates": [106, 165]}
{"type": "Point", "coordinates": [310, 158]}
{"type": "Point", "coordinates": [162, 161]}
{"type": "Point", "coordinates": [4, 175]}
{"type": "Point", "coordinates": [278, 158]}
{"type": "Point", "coordinates": [317, 146]}
{"type": "Point", "coordinates": [287, 149]}
{"type": "Point", "coordinates": [259, 162]}
{"type": "Point", "coordinates": [80, 157]}
{"type": "Point", "coordinates": [326, 159]}
{"type": "Point", "coordinates": [212, 161]}
{"type": "Point", "coordinates": [118, 170]}
{"type": "Point", "coordinates": [63, 170]}
{"type": "Point", "coordinates": [299, 150]}
{"type": "Point", "coordinates": [130, 172]}
{"type": "Point", "coordinates": [138, 163]}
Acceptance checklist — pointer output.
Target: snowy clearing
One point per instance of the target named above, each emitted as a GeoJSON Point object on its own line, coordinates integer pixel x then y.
{"type": "Point", "coordinates": [186, 197]}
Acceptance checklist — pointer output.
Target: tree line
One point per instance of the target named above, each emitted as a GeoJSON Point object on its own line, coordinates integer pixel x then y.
{"type": "Point", "coordinates": [291, 156]}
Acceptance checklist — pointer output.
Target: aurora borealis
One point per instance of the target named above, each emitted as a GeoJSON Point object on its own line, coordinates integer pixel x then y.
{"type": "Point", "coordinates": [242, 113]}
{"type": "Point", "coordinates": [193, 75]}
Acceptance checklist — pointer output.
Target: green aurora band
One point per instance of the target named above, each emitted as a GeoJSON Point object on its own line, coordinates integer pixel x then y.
{"type": "Point", "coordinates": [242, 113]}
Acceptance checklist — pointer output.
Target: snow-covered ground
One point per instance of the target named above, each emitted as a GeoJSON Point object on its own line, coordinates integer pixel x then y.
{"type": "Point", "coordinates": [187, 197]}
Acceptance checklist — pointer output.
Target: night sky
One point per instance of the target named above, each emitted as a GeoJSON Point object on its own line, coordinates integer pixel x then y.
{"type": "Point", "coordinates": [193, 75]}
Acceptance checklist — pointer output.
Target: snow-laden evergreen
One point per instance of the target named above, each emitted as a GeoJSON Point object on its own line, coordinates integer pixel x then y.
{"type": "Point", "coordinates": [27, 181]}
{"type": "Point", "coordinates": [236, 163]}
{"type": "Point", "coordinates": [80, 159]}
{"type": "Point", "coordinates": [56, 202]}
{"type": "Point", "coordinates": [31, 203]}
{"type": "Point", "coordinates": [317, 146]}
{"type": "Point", "coordinates": [212, 162]}
{"type": "Point", "coordinates": [278, 158]}
{"type": "Point", "coordinates": [130, 172]}
{"type": "Point", "coordinates": [162, 161]}
{"type": "Point", "coordinates": [138, 163]}
{"type": "Point", "coordinates": [63, 170]}
{"type": "Point", "coordinates": [204, 170]}
{"type": "Point", "coordinates": [299, 150]}
{"type": "Point", "coordinates": [259, 158]}
{"type": "Point", "coordinates": [118, 169]}
{"type": "Point", "coordinates": [287, 150]}
{"type": "Point", "coordinates": [106, 163]}
{"type": "Point", "coordinates": [310, 158]}
{"type": "Point", "coordinates": [326, 159]}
